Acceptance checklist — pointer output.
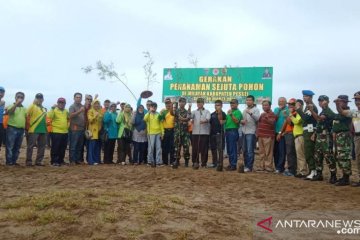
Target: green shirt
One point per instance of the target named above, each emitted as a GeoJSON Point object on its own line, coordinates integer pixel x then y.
{"type": "Point", "coordinates": [230, 124]}
{"type": "Point", "coordinates": [327, 123]}
{"type": "Point", "coordinates": [341, 123]}
{"type": "Point", "coordinates": [18, 118]}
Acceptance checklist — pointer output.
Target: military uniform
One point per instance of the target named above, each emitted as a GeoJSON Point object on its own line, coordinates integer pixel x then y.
{"type": "Point", "coordinates": [342, 144]}
{"type": "Point", "coordinates": [182, 136]}
{"type": "Point", "coordinates": [309, 126]}
{"type": "Point", "coordinates": [323, 148]}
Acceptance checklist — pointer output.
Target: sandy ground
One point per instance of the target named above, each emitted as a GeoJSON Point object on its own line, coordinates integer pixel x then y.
{"type": "Point", "coordinates": [139, 202]}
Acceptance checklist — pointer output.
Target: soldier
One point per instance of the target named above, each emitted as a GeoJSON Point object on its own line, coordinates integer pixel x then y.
{"type": "Point", "coordinates": [355, 114]}
{"type": "Point", "coordinates": [323, 150]}
{"type": "Point", "coordinates": [342, 140]}
{"type": "Point", "coordinates": [309, 125]}
{"type": "Point", "coordinates": [182, 137]}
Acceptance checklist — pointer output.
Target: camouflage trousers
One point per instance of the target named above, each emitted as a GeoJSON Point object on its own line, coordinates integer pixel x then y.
{"type": "Point", "coordinates": [182, 139]}
{"type": "Point", "coordinates": [323, 151]}
{"type": "Point", "coordinates": [342, 145]}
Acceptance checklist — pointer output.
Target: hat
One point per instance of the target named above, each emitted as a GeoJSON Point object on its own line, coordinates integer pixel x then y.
{"type": "Point", "coordinates": [39, 96]}
{"type": "Point", "coordinates": [61, 100]}
{"type": "Point", "coordinates": [200, 100]}
{"type": "Point", "coordinates": [344, 98]}
{"type": "Point", "coordinates": [292, 101]}
{"type": "Point", "coordinates": [2, 89]}
{"type": "Point", "coordinates": [308, 93]}
{"type": "Point", "coordinates": [323, 98]}
{"type": "Point", "coordinates": [300, 101]}
{"type": "Point", "coordinates": [357, 95]}
{"type": "Point", "coordinates": [182, 99]}
{"type": "Point", "coordinates": [234, 101]}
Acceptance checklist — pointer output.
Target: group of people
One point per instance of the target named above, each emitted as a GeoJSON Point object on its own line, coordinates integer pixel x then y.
{"type": "Point", "coordinates": [294, 139]}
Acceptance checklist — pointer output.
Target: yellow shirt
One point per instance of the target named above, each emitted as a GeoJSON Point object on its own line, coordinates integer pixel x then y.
{"type": "Point", "coordinates": [298, 128]}
{"type": "Point", "coordinates": [169, 121]}
{"type": "Point", "coordinates": [59, 120]}
{"type": "Point", "coordinates": [37, 119]}
{"type": "Point", "coordinates": [95, 122]}
{"type": "Point", "coordinates": [153, 123]}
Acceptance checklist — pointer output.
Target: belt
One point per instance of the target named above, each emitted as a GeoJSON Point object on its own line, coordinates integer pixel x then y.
{"type": "Point", "coordinates": [168, 129]}
{"type": "Point", "coordinates": [307, 128]}
{"type": "Point", "coordinates": [300, 135]}
{"type": "Point", "coordinates": [15, 127]}
{"type": "Point", "coordinates": [231, 129]}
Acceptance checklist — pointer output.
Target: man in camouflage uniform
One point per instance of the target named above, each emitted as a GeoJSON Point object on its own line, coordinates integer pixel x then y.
{"type": "Point", "coordinates": [182, 137]}
{"type": "Point", "coordinates": [342, 140]}
{"type": "Point", "coordinates": [323, 150]}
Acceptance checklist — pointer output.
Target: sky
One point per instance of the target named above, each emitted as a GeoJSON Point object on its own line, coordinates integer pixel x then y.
{"type": "Point", "coordinates": [44, 44]}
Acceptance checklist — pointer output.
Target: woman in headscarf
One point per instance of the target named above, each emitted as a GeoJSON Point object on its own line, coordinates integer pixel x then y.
{"type": "Point", "coordinates": [139, 136]}
{"type": "Point", "coordinates": [95, 117]}
{"type": "Point", "coordinates": [111, 129]}
{"type": "Point", "coordinates": [125, 133]}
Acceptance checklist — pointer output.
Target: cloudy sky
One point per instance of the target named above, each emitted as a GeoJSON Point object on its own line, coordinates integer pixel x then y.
{"type": "Point", "coordinates": [45, 43]}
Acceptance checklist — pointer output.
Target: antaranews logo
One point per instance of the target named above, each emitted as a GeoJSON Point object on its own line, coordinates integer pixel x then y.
{"type": "Point", "coordinates": [297, 225]}
{"type": "Point", "coordinates": [266, 224]}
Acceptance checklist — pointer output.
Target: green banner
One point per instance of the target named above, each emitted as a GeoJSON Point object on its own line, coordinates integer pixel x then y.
{"type": "Point", "coordinates": [218, 83]}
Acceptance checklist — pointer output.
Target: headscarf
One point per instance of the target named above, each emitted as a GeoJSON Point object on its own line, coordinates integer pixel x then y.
{"type": "Point", "coordinates": [140, 124]}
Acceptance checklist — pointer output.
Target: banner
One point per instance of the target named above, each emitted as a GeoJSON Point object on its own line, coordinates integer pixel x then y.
{"type": "Point", "coordinates": [218, 83]}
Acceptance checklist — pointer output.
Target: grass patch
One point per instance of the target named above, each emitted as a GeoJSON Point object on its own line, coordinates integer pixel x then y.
{"type": "Point", "coordinates": [55, 215]}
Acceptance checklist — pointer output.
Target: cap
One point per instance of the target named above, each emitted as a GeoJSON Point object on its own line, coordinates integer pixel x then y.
{"type": "Point", "coordinates": [39, 96]}
{"type": "Point", "coordinates": [182, 99]}
{"type": "Point", "coordinates": [2, 89]}
{"type": "Point", "coordinates": [300, 101]}
{"type": "Point", "coordinates": [323, 98]}
{"type": "Point", "coordinates": [308, 93]}
{"type": "Point", "coordinates": [344, 98]}
{"type": "Point", "coordinates": [167, 100]}
{"type": "Point", "coordinates": [292, 101]}
{"type": "Point", "coordinates": [234, 101]}
{"type": "Point", "coordinates": [357, 95]}
{"type": "Point", "coordinates": [61, 100]}
{"type": "Point", "coordinates": [200, 100]}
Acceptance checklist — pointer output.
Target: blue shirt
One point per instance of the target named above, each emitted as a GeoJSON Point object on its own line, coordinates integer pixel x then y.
{"type": "Point", "coordinates": [281, 118]}
{"type": "Point", "coordinates": [110, 124]}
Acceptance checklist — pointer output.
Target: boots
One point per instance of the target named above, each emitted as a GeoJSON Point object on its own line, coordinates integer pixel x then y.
{"type": "Point", "coordinates": [186, 162]}
{"type": "Point", "coordinates": [311, 175]}
{"type": "Point", "coordinates": [175, 164]}
{"type": "Point", "coordinates": [344, 181]}
{"type": "Point", "coordinates": [333, 178]}
{"type": "Point", "coordinates": [219, 168]}
{"type": "Point", "coordinates": [318, 176]}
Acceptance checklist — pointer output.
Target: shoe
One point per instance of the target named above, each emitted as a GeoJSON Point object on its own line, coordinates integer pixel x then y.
{"type": "Point", "coordinates": [40, 164]}
{"type": "Point", "coordinates": [318, 177]}
{"type": "Point", "coordinates": [149, 164]}
{"type": "Point", "coordinates": [299, 175]}
{"type": "Point", "coordinates": [311, 175]}
{"type": "Point", "coordinates": [28, 164]}
{"type": "Point", "coordinates": [333, 178]}
{"type": "Point", "coordinates": [95, 164]}
{"type": "Point", "coordinates": [211, 165]}
{"type": "Point", "coordinates": [186, 163]}
{"type": "Point", "coordinates": [231, 168]}
{"type": "Point", "coordinates": [247, 170]}
{"type": "Point", "coordinates": [56, 165]}
{"type": "Point", "coordinates": [344, 181]}
{"type": "Point", "coordinates": [219, 168]}
{"type": "Point", "coordinates": [123, 163]}
{"type": "Point", "coordinates": [277, 172]}
{"type": "Point", "coordinates": [288, 174]}
{"type": "Point", "coordinates": [196, 166]}
{"type": "Point", "coordinates": [356, 184]}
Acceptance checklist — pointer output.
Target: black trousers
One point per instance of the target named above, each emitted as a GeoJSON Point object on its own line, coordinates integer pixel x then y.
{"type": "Point", "coordinates": [200, 146]}
{"type": "Point", "coordinates": [123, 149]}
{"type": "Point", "coordinates": [109, 147]}
{"type": "Point", "coordinates": [58, 147]}
{"type": "Point", "coordinates": [167, 146]}
{"type": "Point", "coordinates": [217, 143]}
